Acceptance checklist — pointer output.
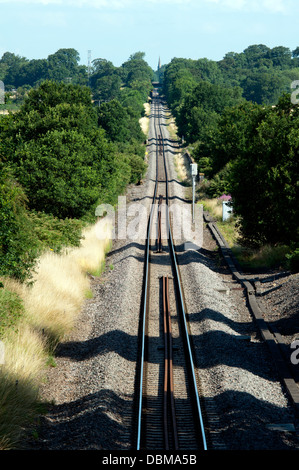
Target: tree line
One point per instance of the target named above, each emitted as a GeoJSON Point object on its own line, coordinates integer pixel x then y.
{"type": "Point", "coordinates": [76, 140]}
{"type": "Point", "coordinates": [238, 117]}
{"type": "Point", "coordinates": [62, 154]}
{"type": "Point", "coordinates": [105, 80]}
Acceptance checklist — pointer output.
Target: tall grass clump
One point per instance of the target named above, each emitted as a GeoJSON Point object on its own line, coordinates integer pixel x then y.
{"type": "Point", "coordinates": [60, 283]}
{"type": "Point", "coordinates": [263, 257]}
{"type": "Point", "coordinates": [214, 206]}
{"type": "Point", "coordinates": [96, 241]}
{"type": "Point", "coordinates": [20, 375]}
{"type": "Point", "coordinates": [44, 312]}
{"type": "Point", "coordinates": [266, 256]}
{"type": "Point", "coordinates": [56, 295]}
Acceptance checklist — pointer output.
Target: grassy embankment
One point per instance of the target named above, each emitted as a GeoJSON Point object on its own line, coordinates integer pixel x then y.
{"type": "Point", "coordinates": [266, 257]}
{"type": "Point", "coordinates": [34, 318]}
{"type": "Point", "coordinates": [180, 161]}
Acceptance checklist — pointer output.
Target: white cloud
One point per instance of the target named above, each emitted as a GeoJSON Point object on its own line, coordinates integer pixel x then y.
{"type": "Point", "coordinates": [274, 6]}
{"type": "Point", "coordinates": [112, 4]}
{"type": "Point", "coordinates": [74, 3]}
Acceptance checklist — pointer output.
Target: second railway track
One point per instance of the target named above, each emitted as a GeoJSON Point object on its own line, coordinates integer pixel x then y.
{"type": "Point", "coordinates": [169, 411]}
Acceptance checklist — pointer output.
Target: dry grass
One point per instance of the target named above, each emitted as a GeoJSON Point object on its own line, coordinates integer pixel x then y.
{"type": "Point", "coordinates": [20, 376]}
{"type": "Point", "coordinates": [56, 296]}
{"type": "Point", "coordinates": [182, 164]}
{"type": "Point", "coordinates": [96, 241]}
{"type": "Point", "coordinates": [214, 206]}
{"type": "Point", "coordinates": [52, 304]}
{"type": "Point", "coordinates": [265, 257]}
{"type": "Point", "coordinates": [60, 283]}
{"type": "Point", "coordinates": [183, 168]}
{"type": "Point", "coordinates": [172, 127]}
{"type": "Point", "coordinates": [144, 121]}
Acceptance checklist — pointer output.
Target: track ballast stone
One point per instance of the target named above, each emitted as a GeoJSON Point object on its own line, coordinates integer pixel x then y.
{"type": "Point", "coordinates": [93, 384]}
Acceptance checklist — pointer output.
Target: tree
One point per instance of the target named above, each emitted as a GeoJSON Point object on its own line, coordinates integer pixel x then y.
{"type": "Point", "coordinates": [119, 122]}
{"type": "Point", "coordinates": [264, 176]}
{"type": "Point", "coordinates": [295, 52]}
{"type": "Point", "coordinates": [60, 156]}
{"type": "Point", "coordinates": [31, 72]}
{"type": "Point", "coordinates": [49, 94]}
{"type": "Point", "coordinates": [263, 87]}
{"type": "Point", "coordinates": [103, 72]}
{"type": "Point", "coordinates": [61, 172]}
{"type": "Point", "coordinates": [136, 68]}
{"type": "Point", "coordinates": [133, 99]}
{"type": "Point", "coordinates": [281, 56]}
{"type": "Point", "coordinates": [107, 88]}
{"type": "Point", "coordinates": [17, 250]}
{"type": "Point", "coordinates": [63, 64]}
{"type": "Point", "coordinates": [199, 112]}
{"type": "Point", "coordinates": [256, 52]}
{"type": "Point", "coordinates": [12, 63]}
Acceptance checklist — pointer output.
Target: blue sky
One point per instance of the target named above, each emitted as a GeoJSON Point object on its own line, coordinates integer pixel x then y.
{"type": "Point", "coordinates": [115, 29]}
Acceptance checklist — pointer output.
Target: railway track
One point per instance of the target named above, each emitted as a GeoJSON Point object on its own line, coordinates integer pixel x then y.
{"type": "Point", "coordinates": [169, 415]}
{"type": "Point", "coordinates": [279, 351]}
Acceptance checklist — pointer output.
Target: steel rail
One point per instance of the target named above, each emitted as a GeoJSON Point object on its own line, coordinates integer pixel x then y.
{"type": "Point", "coordinates": [168, 370]}
{"type": "Point", "coordinates": [166, 367]}
{"type": "Point", "coordinates": [159, 239]}
{"type": "Point", "coordinates": [183, 312]}
{"type": "Point", "coordinates": [160, 149]}
{"type": "Point", "coordinates": [145, 304]}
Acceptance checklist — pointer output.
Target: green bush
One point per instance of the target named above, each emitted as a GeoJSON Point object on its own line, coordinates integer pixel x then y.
{"type": "Point", "coordinates": [61, 172]}
{"type": "Point", "coordinates": [219, 183]}
{"type": "Point", "coordinates": [17, 244]}
{"type": "Point", "coordinates": [11, 309]}
{"type": "Point", "coordinates": [293, 261]}
{"type": "Point", "coordinates": [138, 167]}
{"type": "Point", "coordinates": [55, 233]}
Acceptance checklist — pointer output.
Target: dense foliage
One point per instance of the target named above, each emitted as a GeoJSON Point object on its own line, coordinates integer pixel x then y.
{"type": "Point", "coordinates": [244, 129]}
{"type": "Point", "coordinates": [63, 65]}
{"type": "Point", "coordinates": [62, 154]}
{"type": "Point", "coordinates": [263, 177]}
{"type": "Point", "coordinates": [16, 252]}
{"type": "Point", "coordinates": [76, 141]}
{"type": "Point", "coordinates": [105, 80]}
{"type": "Point", "coordinates": [262, 73]}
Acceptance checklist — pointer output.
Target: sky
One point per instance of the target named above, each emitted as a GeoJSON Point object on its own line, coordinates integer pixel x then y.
{"type": "Point", "coordinates": [115, 29]}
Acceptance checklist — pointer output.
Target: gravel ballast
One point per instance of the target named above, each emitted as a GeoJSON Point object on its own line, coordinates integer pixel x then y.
{"type": "Point", "coordinates": [92, 387]}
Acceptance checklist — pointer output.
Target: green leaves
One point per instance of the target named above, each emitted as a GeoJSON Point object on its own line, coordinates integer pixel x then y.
{"type": "Point", "coordinates": [264, 177]}
{"type": "Point", "coordinates": [61, 172]}
{"type": "Point", "coordinates": [66, 155]}
{"type": "Point", "coordinates": [249, 150]}
{"type": "Point", "coordinates": [119, 122]}
{"type": "Point", "coordinates": [17, 253]}
{"type": "Point", "coordinates": [61, 156]}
